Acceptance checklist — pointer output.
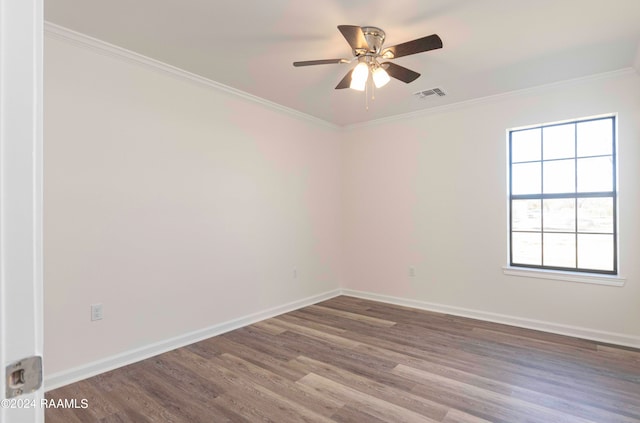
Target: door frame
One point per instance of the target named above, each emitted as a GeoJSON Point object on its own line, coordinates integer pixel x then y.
{"type": "Point", "coordinates": [21, 203]}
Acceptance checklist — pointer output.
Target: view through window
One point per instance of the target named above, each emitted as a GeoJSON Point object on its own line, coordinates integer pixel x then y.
{"type": "Point", "coordinates": [562, 184]}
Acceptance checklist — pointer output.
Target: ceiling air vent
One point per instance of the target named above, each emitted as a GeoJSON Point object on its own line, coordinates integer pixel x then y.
{"type": "Point", "coordinates": [429, 93]}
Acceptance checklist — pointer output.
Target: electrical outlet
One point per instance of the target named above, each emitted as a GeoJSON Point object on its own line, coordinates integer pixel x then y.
{"type": "Point", "coordinates": [412, 272]}
{"type": "Point", "coordinates": [96, 312]}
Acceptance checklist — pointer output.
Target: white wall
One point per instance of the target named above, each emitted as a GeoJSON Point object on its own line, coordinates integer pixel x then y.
{"type": "Point", "coordinates": [175, 205]}
{"type": "Point", "coordinates": [180, 207]}
{"type": "Point", "coordinates": [430, 191]}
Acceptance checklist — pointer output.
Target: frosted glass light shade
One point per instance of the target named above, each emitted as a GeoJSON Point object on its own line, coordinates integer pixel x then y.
{"type": "Point", "coordinates": [359, 76]}
{"type": "Point", "coordinates": [380, 77]}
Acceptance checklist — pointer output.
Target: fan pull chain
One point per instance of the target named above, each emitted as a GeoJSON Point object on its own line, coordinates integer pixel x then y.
{"type": "Point", "coordinates": [373, 91]}
{"type": "Point", "coordinates": [369, 86]}
{"type": "Point", "coordinates": [366, 95]}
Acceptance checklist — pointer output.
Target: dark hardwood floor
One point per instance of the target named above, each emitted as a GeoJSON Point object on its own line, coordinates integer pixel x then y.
{"type": "Point", "coordinates": [353, 360]}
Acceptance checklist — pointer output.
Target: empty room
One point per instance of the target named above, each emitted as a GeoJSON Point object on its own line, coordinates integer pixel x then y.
{"type": "Point", "coordinates": [340, 211]}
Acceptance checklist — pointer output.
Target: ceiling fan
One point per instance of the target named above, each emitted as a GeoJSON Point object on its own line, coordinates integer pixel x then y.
{"type": "Point", "coordinates": [366, 43]}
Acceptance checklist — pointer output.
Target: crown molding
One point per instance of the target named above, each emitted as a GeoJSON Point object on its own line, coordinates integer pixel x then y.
{"type": "Point", "coordinates": [62, 33]}
{"type": "Point", "coordinates": [81, 40]}
{"type": "Point", "coordinates": [496, 97]}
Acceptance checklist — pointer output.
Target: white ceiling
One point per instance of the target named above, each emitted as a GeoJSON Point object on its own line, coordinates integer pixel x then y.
{"type": "Point", "coordinates": [490, 46]}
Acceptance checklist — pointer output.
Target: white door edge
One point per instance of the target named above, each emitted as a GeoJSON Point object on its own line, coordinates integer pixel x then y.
{"type": "Point", "coordinates": [21, 169]}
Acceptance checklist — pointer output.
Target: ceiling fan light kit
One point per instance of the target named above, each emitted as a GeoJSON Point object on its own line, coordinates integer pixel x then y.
{"type": "Point", "coordinates": [366, 44]}
{"type": "Point", "coordinates": [359, 76]}
{"type": "Point", "coordinates": [380, 77]}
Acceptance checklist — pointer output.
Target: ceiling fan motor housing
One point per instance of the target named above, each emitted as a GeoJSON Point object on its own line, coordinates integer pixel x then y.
{"type": "Point", "coordinates": [375, 39]}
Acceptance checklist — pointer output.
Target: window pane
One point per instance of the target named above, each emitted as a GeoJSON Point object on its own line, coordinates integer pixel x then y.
{"type": "Point", "coordinates": [559, 176]}
{"type": "Point", "coordinates": [595, 215]}
{"type": "Point", "coordinates": [595, 174]}
{"type": "Point", "coordinates": [525, 145]}
{"type": "Point", "coordinates": [560, 250]}
{"type": "Point", "coordinates": [525, 215]}
{"type": "Point", "coordinates": [595, 137]}
{"type": "Point", "coordinates": [562, 208]}
{"type": "Point", "coordinates": [595, 252]}
{"type": "Point", "coordinates": [559, 142]}
{"type": "Point", "coordinates": [559, 215]}
{"type": "Point", "coordinates": [526, 248]}
{"type": "Point", "coordinates": [525, 178]}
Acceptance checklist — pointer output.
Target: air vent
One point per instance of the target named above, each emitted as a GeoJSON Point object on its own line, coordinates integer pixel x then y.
{"type": "Point", "coordinates": [428, 93]}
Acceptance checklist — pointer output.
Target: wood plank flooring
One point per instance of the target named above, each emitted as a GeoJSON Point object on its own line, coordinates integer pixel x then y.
{"type": "Point", "coordinates": [353, 360]}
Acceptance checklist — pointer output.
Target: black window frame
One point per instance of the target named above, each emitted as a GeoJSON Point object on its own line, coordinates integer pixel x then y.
{"type": "Point", "coordinates": [575, 195]}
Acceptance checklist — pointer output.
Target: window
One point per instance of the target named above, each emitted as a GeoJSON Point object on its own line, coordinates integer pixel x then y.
{"type": "Point", "coordinates": [562, 194]}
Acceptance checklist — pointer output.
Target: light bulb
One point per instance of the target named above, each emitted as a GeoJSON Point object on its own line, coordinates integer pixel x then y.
{"type": "Point", "coordinates": [359, 76]}
{"type": "Point", "coordinates": [380, 77]}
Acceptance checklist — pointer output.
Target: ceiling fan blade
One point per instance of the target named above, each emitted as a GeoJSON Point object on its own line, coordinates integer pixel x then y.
{"type": "Point", "coordinates": [320, 62]}
{"type": "Point", "coordinates": [430, 42]}
{"type": "Point", "coordinates": [346, 81]}
{"type": "Point", "coordinates": [354, 36]}
{"type": "Point", "coordinates": [400, 72]}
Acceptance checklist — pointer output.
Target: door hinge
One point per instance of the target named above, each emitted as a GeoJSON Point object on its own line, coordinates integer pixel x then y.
{"type": "Point", "coordinates": [24, 376]}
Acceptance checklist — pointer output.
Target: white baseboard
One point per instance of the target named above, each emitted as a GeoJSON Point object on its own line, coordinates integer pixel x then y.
{"type": "Point", "coordinates": [75, 374]}
{"type": "Point", "coordinates": [574, 331]}
{"type": "Point", "coordinates": [85, 371]}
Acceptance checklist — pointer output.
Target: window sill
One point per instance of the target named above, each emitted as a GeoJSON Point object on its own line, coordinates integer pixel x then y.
{"type": "Point", "coordinates": [593, 278]}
